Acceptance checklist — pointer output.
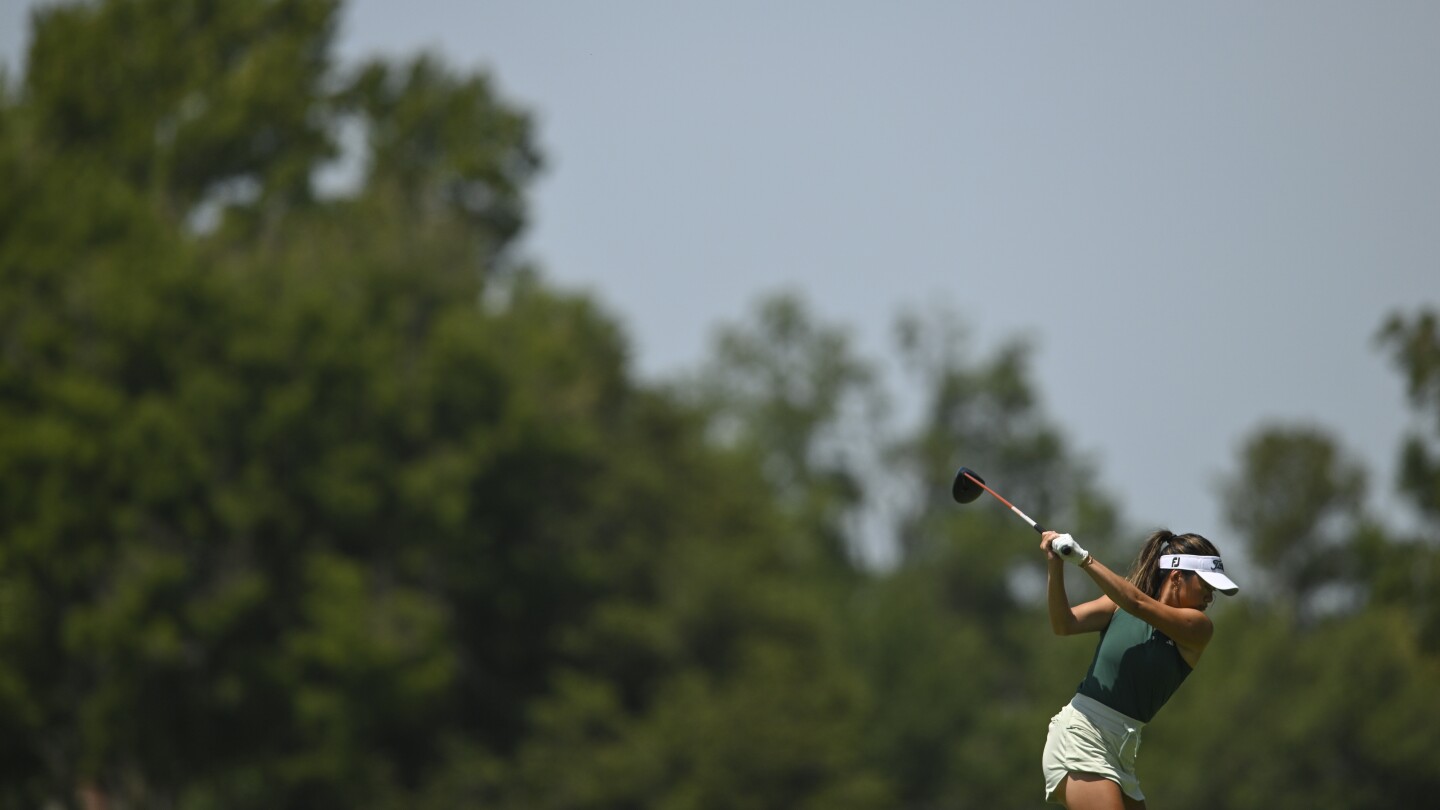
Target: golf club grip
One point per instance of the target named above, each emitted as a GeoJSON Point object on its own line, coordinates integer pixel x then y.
{"type": "Point", "coordinates": [1038, 528]}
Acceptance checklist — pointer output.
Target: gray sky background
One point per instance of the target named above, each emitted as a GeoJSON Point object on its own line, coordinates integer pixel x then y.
{"type": "Point", "coordinates": [1199, 213]}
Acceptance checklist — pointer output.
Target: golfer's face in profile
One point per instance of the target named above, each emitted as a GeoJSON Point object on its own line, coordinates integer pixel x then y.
{"type": "Point", "coordinates": [1200, 591]}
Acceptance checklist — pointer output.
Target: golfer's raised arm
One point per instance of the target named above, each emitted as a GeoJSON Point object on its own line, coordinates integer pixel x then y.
{"type": "Point", "coordinates": [1188, 627]}
{"type": "Point", "coordinates": [1089, 617]}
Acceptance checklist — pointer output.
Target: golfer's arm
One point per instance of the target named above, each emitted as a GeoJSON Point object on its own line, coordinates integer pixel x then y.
{"type": "Point", "coordinates": [1119, 589]}
{"type": "Point", "coordinates": [1185, 626]}
{"type": "Point", "coordinates": [1089, 617]}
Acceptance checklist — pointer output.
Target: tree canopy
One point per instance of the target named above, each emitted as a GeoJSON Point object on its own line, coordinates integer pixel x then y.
{"type": "Point", "coordinates": [317, 498]}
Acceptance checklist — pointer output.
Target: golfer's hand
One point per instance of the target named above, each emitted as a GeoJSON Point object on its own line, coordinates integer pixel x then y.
{"type": "Point", "coordinates": [1068, 550]}
{"type": "Point", "coordinates": [1045, 539]}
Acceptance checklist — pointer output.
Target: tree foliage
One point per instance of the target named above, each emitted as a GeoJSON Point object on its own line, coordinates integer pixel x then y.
{"type": "Point", "coordinates": [318, 499]}
{"type": "Point", "coordinates": [329, 505]}
{"type": "Point", "coordinates": [180, 99]}
{"type": "Point", "coordinates": [1298, 502]}
{"type": "Point", "coordinates": [1415, 344]}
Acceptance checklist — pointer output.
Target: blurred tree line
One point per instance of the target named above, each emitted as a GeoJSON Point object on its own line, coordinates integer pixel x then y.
{"type": "Point", "coordinates": [327, 500]}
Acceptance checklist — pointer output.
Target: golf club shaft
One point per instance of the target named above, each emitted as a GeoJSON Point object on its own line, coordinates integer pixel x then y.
{"type": "Point", "coordinates": [1036, 526]}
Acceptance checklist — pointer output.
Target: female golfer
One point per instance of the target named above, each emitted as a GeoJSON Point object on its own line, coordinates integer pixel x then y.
{"type": "Point", "coordinates": [1153, 630]}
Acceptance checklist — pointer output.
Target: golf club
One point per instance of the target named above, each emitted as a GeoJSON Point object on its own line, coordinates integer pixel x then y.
{"type": "Point", "coordinates": [967, 487]}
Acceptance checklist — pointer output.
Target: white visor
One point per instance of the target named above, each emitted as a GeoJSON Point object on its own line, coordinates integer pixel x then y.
{"type": "Point", "coordinates": [1210, 569]}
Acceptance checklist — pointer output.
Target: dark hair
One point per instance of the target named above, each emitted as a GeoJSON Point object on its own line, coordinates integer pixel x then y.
{"type": "Point", "coordinates": [1147, 574]}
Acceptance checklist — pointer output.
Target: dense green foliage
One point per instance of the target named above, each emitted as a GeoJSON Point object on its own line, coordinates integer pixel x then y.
{"type": "Point", "coordinates": [316, 500]}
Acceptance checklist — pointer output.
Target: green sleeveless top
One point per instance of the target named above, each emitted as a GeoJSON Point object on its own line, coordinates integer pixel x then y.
{"type": "Point", "coordinates": [1136, 668]}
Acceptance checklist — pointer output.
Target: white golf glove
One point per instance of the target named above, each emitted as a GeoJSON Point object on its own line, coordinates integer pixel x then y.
{"type": "Point", "coordinates": [1069, 550]}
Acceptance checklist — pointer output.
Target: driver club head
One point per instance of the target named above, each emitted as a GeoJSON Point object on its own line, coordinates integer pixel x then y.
{"type": "Point", "coordinates": [964, 490]}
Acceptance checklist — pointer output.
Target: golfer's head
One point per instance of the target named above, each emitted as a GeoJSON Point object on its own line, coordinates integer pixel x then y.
{"type": "Point", "coordinates": [1169, 556]}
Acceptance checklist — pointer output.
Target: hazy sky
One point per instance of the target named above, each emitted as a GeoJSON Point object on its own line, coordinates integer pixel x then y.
{"type": "Point", "coordinates": [1199, 213]}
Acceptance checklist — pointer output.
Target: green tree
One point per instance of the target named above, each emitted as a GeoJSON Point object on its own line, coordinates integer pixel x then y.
{"type": "Point", "coordinates": [1298, 503]}
{"type": "Point", "coordinates": [793, 393]}
{"type": "Point", "coordinates": [1407, 575]}
{"type": "Point", "coordinates": [444, 148]}
{"type": "Point", "coordinates": [328, 502]}
{"type": "Point", "coordinates": [232, 465]}
{"type": "Point", "coordinates": [1415, 345]}
{"type": "Point", "coordinates": [187, 100]}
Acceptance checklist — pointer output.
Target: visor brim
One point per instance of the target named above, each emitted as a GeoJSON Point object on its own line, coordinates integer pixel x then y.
{"type": "Point", "coordinates": [1219, 582]}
